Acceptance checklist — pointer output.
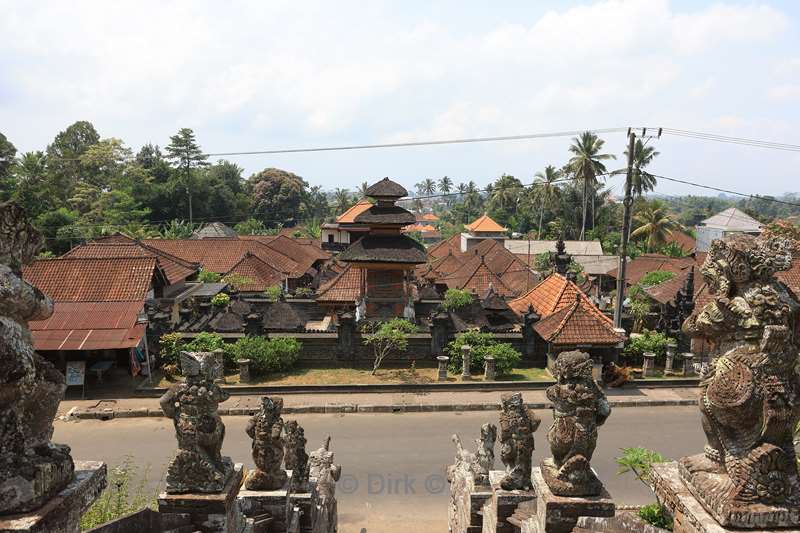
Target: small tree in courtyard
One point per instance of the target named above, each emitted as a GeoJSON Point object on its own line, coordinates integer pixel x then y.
{"type": "Point", "coordinates": [386, 338]}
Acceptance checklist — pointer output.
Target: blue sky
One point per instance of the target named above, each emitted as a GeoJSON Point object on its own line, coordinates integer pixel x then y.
{"type": "Point", "coordinates": [262, 75]}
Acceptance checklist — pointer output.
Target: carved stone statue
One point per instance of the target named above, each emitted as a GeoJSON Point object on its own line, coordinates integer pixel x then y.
{"type": "Point", "coordinates": [32, 469]}
{"type": "Point", "coordinates": [480, 462]}
{"type": "Point", "coordinates": [517, 425]}
{"type": "Point", "coordinates": [749, 398]}
{"type": "Point", "coordinates": [324, 474]}
{"type": "Point", "coordinates": [198, 465]}
{"type": "Point", "coordinates": [295, 456]}
{"type": "Point", "coordinates": [579, 407]}
{"type": "Point", "coordinates": [266, 428]}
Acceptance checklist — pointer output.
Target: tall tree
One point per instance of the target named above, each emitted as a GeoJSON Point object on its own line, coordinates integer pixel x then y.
{"type": "Point", "coordinates": [63, 156]}
{"type": "Point", "coordinates": [546, 190]}
{"type": "Point", "coordinates": [278, 196]}
{"type": "Point", "coordinates": [445, 184]}
{"type": "Point", "coordinates": [585, 165]}
{"type": "Point", "coordinates": [362, 189]}
{"type": "Point", "coordinates": [641, 180]}
{"type": "Point", "coordinates": [655, 224]}
{"type": "Point", "coordinates": [7, 154]}
{"type": "Point", "coordinates": [186, 155]}
{"type": "Point", "coordinates": [342, 200]}
{"type": "Point", "coordinates": [426, 187]}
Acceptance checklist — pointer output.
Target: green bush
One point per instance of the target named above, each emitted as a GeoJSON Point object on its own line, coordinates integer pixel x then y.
{"type": "Point", "coordinates": [273, 293]}
{"type": "Point", "coordinates": [119, 498]}
{"type": "Point", "coordinates": [208, 277]}
{"type": "Point", "coordinates": [483, 345]}
{"type": "Point", "coordinates": [267, 355]}
{"type": "Point", "coordinates": [456, 299]}
{"type": "Point", "coordinates": [170, 346]}
{"type": "Point", "coordinates": [208, 342]}
{"type": "Point", "coordinates": [655, 277]}
{"type": "Point", "coordinates": [303, 292]}
{"type": "Point", "coordinates": [648, 341]}
{"type": "Point", "coordinates": [655, 515]}
{"type": "Point", "coordinates": [386, 337]}
{"type": "Point", "coordinates": [220, 300]}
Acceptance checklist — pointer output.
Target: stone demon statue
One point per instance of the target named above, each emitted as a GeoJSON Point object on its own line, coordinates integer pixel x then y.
{"type": "Point", "coordinates": [295, 456]}
{"type": "Point", "coordinates": [266, 430]}
{"type": "Point", "coordinates": [517, 425]}
{"type": "Point", "coordinates": [579, 407]}
{"type": "Point", "coordinates": [32, 469]}
{"type": "Point", "coordinates": [323, 474]}
{"type": "Point", "coordinates": [479, 463]}
{"type": "Point", "coordinates": [749, 401]}
{"type": "Point", "coordinates": [198, 465]}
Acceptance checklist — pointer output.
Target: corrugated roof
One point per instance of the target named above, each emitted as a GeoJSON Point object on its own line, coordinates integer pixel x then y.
{"type": "Point", "coordinates": [485, 224]}
{"type": "Point", "coordinates": [344, 288]}
{"type": "Point", "coordinates": [733, 219]}
{"type": "Point", "coordinates": [92, 279]}
{"type": "Point", "coordinates": [349, 216]}
{"type": "Point", "coordinates": [90, 315]}
{"type": "Point", "coordinates": [520, 247]}
{"type": "Point", "coordinates": [88, 339]}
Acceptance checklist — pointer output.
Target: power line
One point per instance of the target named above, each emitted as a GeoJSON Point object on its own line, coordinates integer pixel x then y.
{"type": "Point", "coordinates": [732, 140]}
{"type": "Point", "coordinates": [727, 191]}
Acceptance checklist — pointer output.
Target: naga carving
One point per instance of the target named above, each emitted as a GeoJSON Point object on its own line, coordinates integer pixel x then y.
{"type": "Point", "coordinates": [579, 407]}
{"type": "Point", "coordinates": [748, 477]}
{"type": "Point", "coordinates": [32, 468]}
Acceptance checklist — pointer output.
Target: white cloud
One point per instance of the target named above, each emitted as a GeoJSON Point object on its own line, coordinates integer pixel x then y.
{"type": "Point", "coordinates": [784, 93]}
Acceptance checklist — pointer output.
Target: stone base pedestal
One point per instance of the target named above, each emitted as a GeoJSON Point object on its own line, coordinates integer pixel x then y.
{"type": "Point", "coordinates": [208, 512]}
{"type": "Point", "coordinates": [690, 515]}
{"type": "Point", "coordinates": [466, 503]}
{"type": "Point", "coordinates": [559, 514]}
{"type": "Point", "coordinates": [275, 503]}
{"type": "Point", "coordinates": [62, 513]}
{"type": "Point", "coordinates": [502, 505]}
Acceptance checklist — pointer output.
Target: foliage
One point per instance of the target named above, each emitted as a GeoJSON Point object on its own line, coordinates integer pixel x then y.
{"type": "Point", "coordinates": [251, 226]}
{"type": "Point", "coordinates": [278, 196]}
{"type": "Point", "coordinates": [673, 249]}
{"type": "Point", "coordinates": [655, 277]}
{"type": "Point", "coordinates": [177, 229]}
{"type": "Point", "coordinates": [47, 254]}
{"type": "Point", "coordinates": [206, 276]}
{"type": "Point", "coordinates": [638, 461]}
{"type": "Point", "coordinates": [267, 355]}
{"type": "Point", "coordinates": [273, 293]}
{"type": "Point", "coordinates": [119, 498]}
{"type": "Point", "coordinates": [483, 345]}
{"type": "Point", "coordinates": [170, 346]}
{"type": "Point", "coordinates": [542, 263]}
{"type": "Point", "coordinates": [655, 224]}
{"type": "Point", "coordinates": [220, 300]}
{"type": "Point", "coordinates": [303, 292]}
{"type": "Point", "coordinates": [456, 299]}
{"type": "Point", "coordinates": [208, 342]}
{"type": "Point", "coordinates": [236, 281]}
{"type": "Point", "coordinates": [655, 515]}
{"type": "Point", "coordinates": [585, 165]}
{"type": "Point", "coordinates": [386, 338]}
{"type": "Point", "coordinates": [648, 341]}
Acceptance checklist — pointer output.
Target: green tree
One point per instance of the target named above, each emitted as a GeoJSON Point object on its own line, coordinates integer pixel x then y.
{"type": "Point", "coordinates": [316, 203]}
{"type": "Point", "coordinates": [342, 200]}
{"type": "Point", "coordinates": [546, 190]}
{"type": "Point", "coordinates": [641, 180]}
{"type": "Point", "coordinates": [104, 163]}
{"type": "Point", "coordinates": [655, 224]}
{"type": "Point", "coordinates": [362, 189]}
{"type": "Point", "coordinates": [8, 153]}
{"type": "Point", "coordinates": [504, 198]}
{"type": "Point", "coordinates": [251, 226]}
{"type": "Point", "coordinates": [386, 338]}
{"type": "Point", "coordinates": [63, 156]}
{"type": "Point", "coordinates": [586, 164]}
{"type": "Point", "coordinates": [426, 187]}
{"type": "Point", "coordinates": [52, 225]}
{"type": "Point", "coordinates": [186, 155]}
{"type": "Point", "coordinates": [278, 196]}
{"type": "Point", "coordinates": [445, 184]}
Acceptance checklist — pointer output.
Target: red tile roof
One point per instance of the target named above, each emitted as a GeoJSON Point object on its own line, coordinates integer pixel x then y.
{"type": "Point", "coordinates": [441, 249]}
{"type": "Point", "coordinates": [344, 288]}
{"type": "Point", "coordinates": [93, 280]}
{"type": "Point", "coordinates": [484, 224]}
{"type": "Point", "coordinates": [579, 323]}
{"type": "Point", "coordinates": [791, 278]}
{"type": "Point", "coordinates": [175, 269]}
{"type": "Point", "coordinates": [686, 242]}
{"type": "Point", "coordinates": [259, 274]}
{"type": "Point", "coordinates": [477, 277]}
{"type": "Point", "coordinates": [349, 216]}
{"type": "Point", "coordinates": [646, 263]}
{"type": "Point", "coordinates": [552, 294]}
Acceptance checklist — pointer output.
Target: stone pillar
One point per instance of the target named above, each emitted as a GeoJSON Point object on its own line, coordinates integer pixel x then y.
{"type": "Point", "coordinates": [648, 366]}
{"type": "Point", "coordinates": [529, 319]}
{"type": "Point", "coordinates": [620, 347]}
{"type": "Point", "coordinates": [439, 333]}
{"type": "Point", "coordinates": [490, 369]}
{"type": "Point", "coordinates": [597, 370]}
{"type": "Point", "coordinates": [442, 359]}
{"type": "Point", "coordinates": [346, 336]}
{"type": "Point", "coordinates": [466, 360]}
{"type": "Point", "coordinates": [252, 324]}
{"type": "Point", "coordinates": [672, 350]}
{"type": "Point", "coordinates": [244, 370]}
{"type": "Point", "coordinates": [688, 363]}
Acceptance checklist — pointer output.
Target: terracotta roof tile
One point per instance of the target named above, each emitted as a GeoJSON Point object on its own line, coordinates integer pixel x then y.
{"type": "Point", "coordinates": [646, 263]}
{"type": "Point", "coordinates": [484, 224]}
{"type": "Point", "coordinates": [791, 278]}
{"type": "Point", "coordinates": [447, 246]}
{"type": "Point", "coordinates": [259, 274]}
{"type": "Point", "coordinates": [579, 323]}
{"type": "Point", "coordinates": [349, 216]}
{"type": "Point", "coordinates": [552, 294]}
{"type": "Point", "coordinates": [175, 269]}
{"type": "Point", "coordinates": [477, 277]}
{"type": "Point", "coordinates": [93, 280]}
{"type": "Point", "coordinates": [344, 288]}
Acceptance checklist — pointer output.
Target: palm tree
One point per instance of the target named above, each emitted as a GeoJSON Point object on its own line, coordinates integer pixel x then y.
{"type": "Point", "coordinates": [641, 180]}
{"type": "Point", "coordinates": [445, 184]}
{"type": "Point", "coordinates": [546, 190]}
{"type": "Point", "coordinates": [341, 199]}
{"type": "Point", "coordinates": [586, 164]}
{"type": "Point", "coordinates": [505, 192]}
{"type": "Point", "coordinates": [655, 224]}
{"type": "Point", "coordinates": [362, 189]}
{"type": "Point", "coordinates": [426, 187]}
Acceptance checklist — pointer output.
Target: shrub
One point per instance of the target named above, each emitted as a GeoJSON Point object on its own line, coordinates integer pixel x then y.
{"type": "Point", "coordinates": [303, 292]}
{"type": "Point", "coordinates": [170, 346]}
{"type": "Point", "coordinates": [273, 293]}
{"type": "Point", "coordinates": [220, 300]}
{"type": "Point", "coordinates": [267, 355]}
{"type": "Point", "coordinates": [208, 277]}
{"type": "Point", "coordinates": [119, 498]}
{"type": "Point", "coordinates": [236, 281]}
{"type": "Point", "coordinates": [648, 341]}
{"type": "Point", "coordinates": [208, 342]}
{"type": "Point", "coordinates": [655, 515]}
{"type": "Point", "coordinates": [655, 277]}
{"type": "Point", "coordinates": [483, 344]}
{"type": "Point", "coordinates": [387, 337]}
{"type": "Point", "coordinates": [456, 299]}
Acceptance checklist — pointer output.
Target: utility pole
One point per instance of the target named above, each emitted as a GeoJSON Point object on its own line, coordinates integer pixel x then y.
{"type": "Point", "coordinates": [627, 204]}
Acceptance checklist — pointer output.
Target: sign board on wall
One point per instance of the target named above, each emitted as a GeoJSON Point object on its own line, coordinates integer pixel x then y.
{"type": "Point", "coordinates": [76, 373]}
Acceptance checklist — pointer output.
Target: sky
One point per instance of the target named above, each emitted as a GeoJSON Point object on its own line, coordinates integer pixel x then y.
{"type": "Point", "coordinates": [286, 74]}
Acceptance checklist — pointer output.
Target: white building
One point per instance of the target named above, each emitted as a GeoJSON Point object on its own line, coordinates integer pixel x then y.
{"type": "Point", "coordinates": [729, 222]}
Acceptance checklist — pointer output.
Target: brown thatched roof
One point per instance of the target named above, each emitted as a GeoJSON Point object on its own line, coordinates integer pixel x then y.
{"type": "Point", "coordinates": [386, 188]}
{"type": "Point", "coordinates": [378, 214]}
{"type": "Point", "coordinates": [385, 249]}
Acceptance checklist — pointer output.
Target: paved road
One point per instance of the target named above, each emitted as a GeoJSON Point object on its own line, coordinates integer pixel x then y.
{"type": "Point", "coordinates": [394, 465]}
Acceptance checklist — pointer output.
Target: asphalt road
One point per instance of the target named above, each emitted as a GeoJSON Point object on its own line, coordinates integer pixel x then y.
{"type": "Point", "coordinates": [394, 464]}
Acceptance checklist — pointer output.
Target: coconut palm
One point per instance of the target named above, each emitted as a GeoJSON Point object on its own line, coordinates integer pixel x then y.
{"type": "Point", "coordinates": [655, 225]}
{"type": "Point", "coordinates": [586, 165]}
{"type": "Point", "coordinates": [641, 180]}
{"type": "Point", "coordinates": [546, 190]}
{"type": "Point", "coordinates": [362, 189]}
{"type": "Point", "coordinates": [426, 187]}
{"type": "Point", "coordinates": [342, 200]}
{"type": "Point", "coordinates": [445, 184]}
{"type": "Point", "coordinates": [506, 193]}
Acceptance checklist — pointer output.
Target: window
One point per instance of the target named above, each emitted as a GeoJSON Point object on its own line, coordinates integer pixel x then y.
{"type": "Point", "coordinates": [330, 238]}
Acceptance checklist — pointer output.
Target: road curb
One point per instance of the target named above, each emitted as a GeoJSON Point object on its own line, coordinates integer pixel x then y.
{"type": "Point", "coordinates": [142, 412]}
